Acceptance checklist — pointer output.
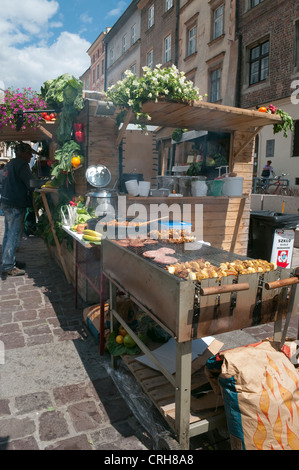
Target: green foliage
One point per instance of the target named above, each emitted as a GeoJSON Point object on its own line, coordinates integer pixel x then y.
{"type": "Point", "coordinates": [169, 83]}
{"type": "Point", "coordinates": [177, 134]}
{"type": "Point", "coordinates": [286, 124]}
{"type": "Point", "coordinates": [194, 169]}
{"type": "Point", "coordinates": [63, 157]}
{"type": "Point", "coordinates": [64, 93]}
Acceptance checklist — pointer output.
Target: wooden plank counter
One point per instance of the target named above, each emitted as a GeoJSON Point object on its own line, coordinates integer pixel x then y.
{"type": "Point", "coordinates": [225, 219]}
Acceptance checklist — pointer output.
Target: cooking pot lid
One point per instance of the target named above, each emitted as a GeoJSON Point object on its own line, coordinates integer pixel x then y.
{"type": "Point", "coordinates": [98, 175]}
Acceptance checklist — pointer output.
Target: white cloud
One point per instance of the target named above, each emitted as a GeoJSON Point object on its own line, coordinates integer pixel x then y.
{"type": "Point", "coordinates": [116, 12]}
{"type": "Point", "coordinates": [27, 57]}
{"type": "Point", "coordinates": [32, 66]}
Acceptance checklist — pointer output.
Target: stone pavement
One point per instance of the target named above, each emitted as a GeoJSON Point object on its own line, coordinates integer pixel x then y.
{"type": "Point", "coordinates": [56, 391]}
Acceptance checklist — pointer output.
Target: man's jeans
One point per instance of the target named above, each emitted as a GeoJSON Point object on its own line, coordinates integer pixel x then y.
{"type": "Point", "coordinates": [12, 235]}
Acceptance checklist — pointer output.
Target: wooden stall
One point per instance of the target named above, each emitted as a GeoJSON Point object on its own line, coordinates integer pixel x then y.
{"type": "Point", "coordinates": [225, 219]}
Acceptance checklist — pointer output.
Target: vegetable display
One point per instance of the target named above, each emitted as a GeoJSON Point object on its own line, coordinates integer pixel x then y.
{"type": "Point", "coordinates": [64, 93]}
{"type": "Point", "coordinates": [286, 124]}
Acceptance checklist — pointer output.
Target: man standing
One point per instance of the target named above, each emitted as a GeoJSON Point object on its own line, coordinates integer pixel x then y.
{"type": "Point", "coordinates": [15, 197]}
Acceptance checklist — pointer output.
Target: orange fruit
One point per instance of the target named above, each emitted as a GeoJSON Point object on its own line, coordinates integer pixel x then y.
{"type": "Point", "coordinates": [119, 339]}
{"type": "Point", "coordinates": [75, 162]}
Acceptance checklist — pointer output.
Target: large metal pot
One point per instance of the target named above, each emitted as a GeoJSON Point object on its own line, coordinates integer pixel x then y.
{"type": "Point", "coordinates": [103, 201]}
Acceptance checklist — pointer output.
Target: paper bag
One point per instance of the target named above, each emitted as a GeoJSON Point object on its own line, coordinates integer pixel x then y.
{"type": "Point", "coordinates": [260, 390]}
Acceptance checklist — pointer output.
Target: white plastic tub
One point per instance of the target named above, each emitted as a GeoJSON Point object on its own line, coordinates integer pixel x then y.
{"type": "Point", "coordinates": [233, 186]}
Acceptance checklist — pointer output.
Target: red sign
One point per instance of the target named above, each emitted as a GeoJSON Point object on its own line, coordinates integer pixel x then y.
{"type": "Point", "coordinates": [283, 258]}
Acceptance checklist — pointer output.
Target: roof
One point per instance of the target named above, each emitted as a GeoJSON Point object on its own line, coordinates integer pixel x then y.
{"type": "Point", "coordinates": [205, 116]}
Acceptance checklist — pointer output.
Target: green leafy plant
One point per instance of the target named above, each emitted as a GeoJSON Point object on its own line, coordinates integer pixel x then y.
{"type": "Point", "coordinates": [64, 93]}
{"type": "Point", "coordinates": [286, 125]}
{"type": "Point", "coordinates": [177, 134]}
{"type": "Point", "coordinates": [63, 161]}
{"type": "Point", "coordinates": [194, 169]}
{"type": "Point", "coordinates": [167, 83]}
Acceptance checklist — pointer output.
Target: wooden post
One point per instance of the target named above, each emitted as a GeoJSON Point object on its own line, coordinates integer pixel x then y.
{"type": "Point", "coordinates": [46, 206]}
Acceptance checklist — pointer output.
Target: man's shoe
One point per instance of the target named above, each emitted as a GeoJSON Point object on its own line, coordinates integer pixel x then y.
{"type": "Point", "coordinates": [20, 265]}
{"type": "Point", "coordinates": [15, 272]}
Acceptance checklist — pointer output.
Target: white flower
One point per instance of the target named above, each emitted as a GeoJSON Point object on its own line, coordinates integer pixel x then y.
{"type": "Point", "coordinates": [166, 91]}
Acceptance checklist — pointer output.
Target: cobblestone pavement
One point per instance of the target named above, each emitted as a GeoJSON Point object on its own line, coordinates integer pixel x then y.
{"type": "Point", "coordinates": [56, 391]}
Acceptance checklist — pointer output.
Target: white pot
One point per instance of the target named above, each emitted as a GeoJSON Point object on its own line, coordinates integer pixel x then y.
{"type": "Point", "coordinates": [199, 188]}
{"type": "Point", "coordinates": [233, 186]}
{"type": "Point", "coordinates": [132, 187]}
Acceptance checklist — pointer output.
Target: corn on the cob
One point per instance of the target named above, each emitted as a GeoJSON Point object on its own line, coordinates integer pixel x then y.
{"type": "Point", "coordinates": [92, 233]}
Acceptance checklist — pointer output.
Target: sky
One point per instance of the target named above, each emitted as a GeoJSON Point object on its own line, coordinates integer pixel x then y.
{"type": "Point", "coordinates": [42, 39]}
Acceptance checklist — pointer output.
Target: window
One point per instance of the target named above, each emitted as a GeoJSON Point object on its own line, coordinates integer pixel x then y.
{"type": "Point", "coordinates": [270, 148]}
{"type": "Point", "coordinates": [296, 45]}
{"type": "Point", "coordinates": [191, 47]}
{"type": "Point", "coordinates": [98, 71]}
{"type": "Point", "coordinates": [259, 63]}
{"type": "Point", "coordinates": [124, 43]}
{"type": "Point", "coordinates": [167, 49]}
{"type": "Point", "coordinates": [168, 4]}
{"type": "Point", "coordinates": [254, 3]}
{"type": "Point", "coordinates": [111, 56]}
{"type": "Point", "coordinates": [102, 67]}
{"type": "Point", "coordinates": [133, 34]}
{"type": "Point", "coordinates": [151, 16]}
{"type": "Point", "coordinates": [150, 59]}
{"type": "Point", "coordinates": [215, 81]}
{"type": "Point", "coordinates": [296, 139]}
{"type": "Point", "coordinates": [218, 22]}
{"type": "Point", "coordinates": [93, 76]}
{"type": "Point", "coordinates": [133, 69]}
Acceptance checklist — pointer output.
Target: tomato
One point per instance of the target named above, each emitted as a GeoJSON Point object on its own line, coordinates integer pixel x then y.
{"type": "Point", "coordinates": [263, 109]}
{"type": "Point", "coordinates": [44, 114]}
{"type": "Point", "coordinates": [75, 161]}
{"type": "Point", "coordinates": [47, 117]}
{"type": "Point", "coordinates": [52, 116]}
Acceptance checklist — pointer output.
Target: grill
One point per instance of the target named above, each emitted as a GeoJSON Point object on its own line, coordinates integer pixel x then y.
{"type": "Point", "coordinates": [188, 309]}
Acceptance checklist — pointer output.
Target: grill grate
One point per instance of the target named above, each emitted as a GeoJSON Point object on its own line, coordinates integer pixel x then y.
{"type": "Point", "coordinates": [211, 254]}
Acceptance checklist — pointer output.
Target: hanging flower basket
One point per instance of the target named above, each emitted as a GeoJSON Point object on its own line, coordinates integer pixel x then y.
{"type": "Point", "coordinates": [159, 83]}
{"type": "Point", "coordinates": [15, 102]}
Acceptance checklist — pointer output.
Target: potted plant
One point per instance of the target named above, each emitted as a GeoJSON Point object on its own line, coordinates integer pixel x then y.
{"type": "Point", "coordinates": [166, 83]}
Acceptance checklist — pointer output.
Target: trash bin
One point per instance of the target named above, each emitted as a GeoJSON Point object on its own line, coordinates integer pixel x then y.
{"type": "Point", "coordinates": [265, 227]}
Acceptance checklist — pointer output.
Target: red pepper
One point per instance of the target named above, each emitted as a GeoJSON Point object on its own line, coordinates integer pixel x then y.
{"type": "Point", "coordinates": [79, 136]}
{"type": "Point", "coordinates": [77, 126]}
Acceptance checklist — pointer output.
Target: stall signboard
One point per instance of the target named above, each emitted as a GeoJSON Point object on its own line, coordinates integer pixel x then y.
{"type": "Point", "coordinates": [282, 248]}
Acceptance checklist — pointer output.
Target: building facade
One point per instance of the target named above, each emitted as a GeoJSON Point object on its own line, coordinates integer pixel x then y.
{"type": "Point", "coordinates": [159, 32]}
{"type": "Point", "coordinates": [208, 47]}
{"type": "Point", "coordinates": [122, 45]}
{"type": "Point", "coordinates": [269, 73]}
{"type": "Point", "coordinates": [97, 70]}
{"type": "Point", "coordinates": [242, 53]}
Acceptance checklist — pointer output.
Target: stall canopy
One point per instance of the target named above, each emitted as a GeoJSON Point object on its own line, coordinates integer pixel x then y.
{"type": "Point", "coordinates": [205, 116]}
{"type": "Point", "coordinates": [45, 131]}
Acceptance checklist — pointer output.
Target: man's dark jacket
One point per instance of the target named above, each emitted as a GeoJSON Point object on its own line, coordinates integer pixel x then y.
{"type": "Point", "coordinates": [16, 190]}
